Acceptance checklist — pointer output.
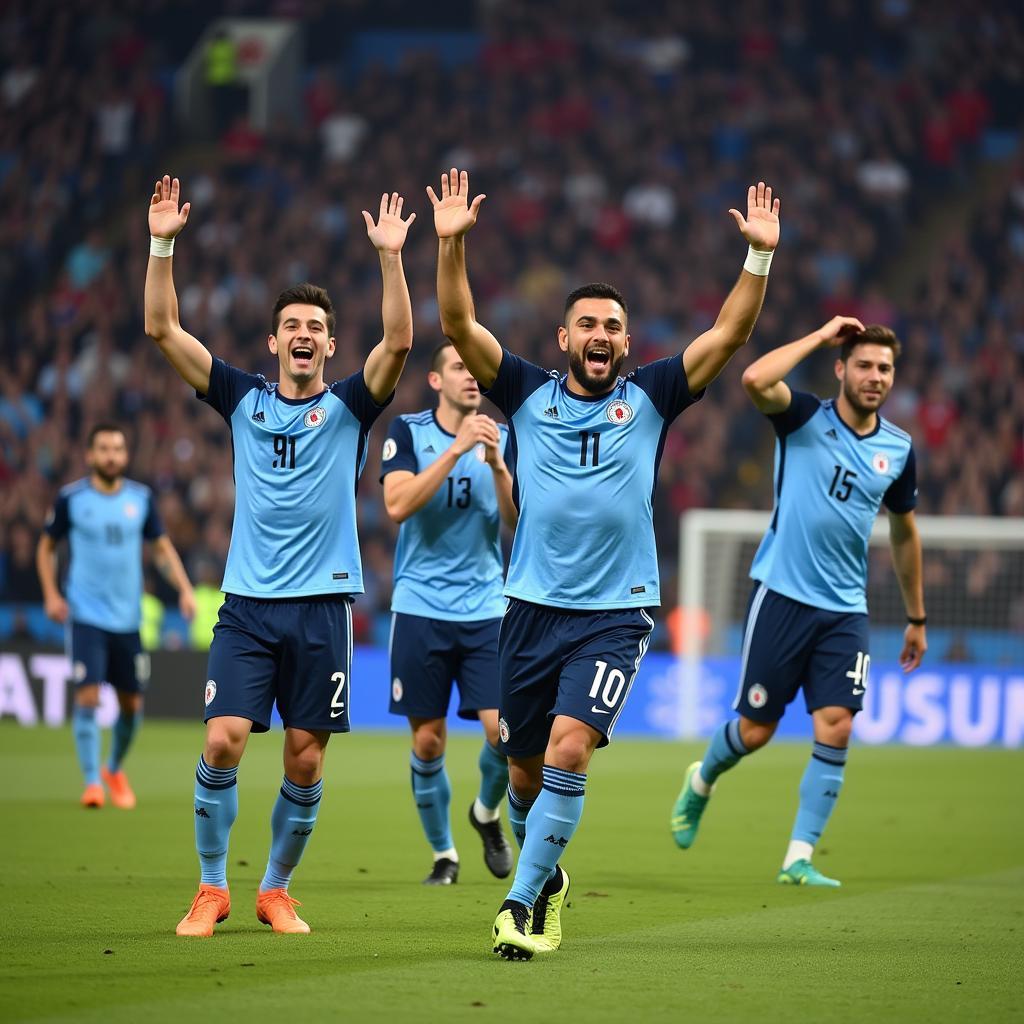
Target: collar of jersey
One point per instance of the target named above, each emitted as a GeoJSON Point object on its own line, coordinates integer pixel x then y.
{"type": "Point", "coordinates": [860, 437]}
{"type": "Point", "coordinates": [564, 385]}
{"type": "Point", "coordinates": [299, 401]}
{"type": "Point", "coordinates": [437, 423]}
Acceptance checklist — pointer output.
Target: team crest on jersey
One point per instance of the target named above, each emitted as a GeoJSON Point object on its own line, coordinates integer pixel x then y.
{"type": "Point", "coordinates": [757, 696]}
{"type": "Point", "coordinates": [396, 689]}
{"type": "Point", "coordinates": [481, 453]}
{"type": "Point", "coordinates": [503, 730]}
{"type": "Point", "coordinates": [390, 450]}
{"type": "Point", "coordinates": [211, 691]}
{"type": "Point", "coordinates": [78, 672]}
{"type": "Point", "coordinates": [316, 417]}
{"type": "Point", "coordinates": [619, 411]}
{"type": "Point", "coordinates": [881, 462]}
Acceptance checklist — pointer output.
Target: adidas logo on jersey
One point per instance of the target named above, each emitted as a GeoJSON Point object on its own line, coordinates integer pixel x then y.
{"type": "Point", "coordinates": [831, 432]}
{"type": "Point", "coordinates": [552, 412]}
{"type": "Point", "coordinates": [258, 417]}
{"type": "Point", "coordinates": [429, 450]}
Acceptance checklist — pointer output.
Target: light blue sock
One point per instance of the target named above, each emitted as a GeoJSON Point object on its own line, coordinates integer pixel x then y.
{"type": "Point", "coordinates": [433, 794]}
{"type": "Point", "coordinates": [125, 728]}
{"type": "Point", "coordinates": [518, 810]}
{"type": "Point", "coordinates": [216, 805]}
{"type": "Point", "coordinates": [291, 823]}
{"type": "Point", "coordinates": [87, 742]}
{"type": "Point", "coordinates": [819, 790]}
{"type": "Point", "coordinates": [550, 825]}
{"type": "Point", "coordinates": [493, 776]}
{"type": "Point", "coordinates": [724, 751]}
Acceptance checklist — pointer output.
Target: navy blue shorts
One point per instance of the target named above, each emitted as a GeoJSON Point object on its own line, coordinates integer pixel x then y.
{"type": "Point", "coordinates": [99, 656]}
{"type": "Point", "coordinates": [788, 645]}
{"type": "Point", "coordinates": [554, 661]}
{"type": "Point", "coordinates": [296, 652]}
{"type": "Point", "coordinates": [428, 655]}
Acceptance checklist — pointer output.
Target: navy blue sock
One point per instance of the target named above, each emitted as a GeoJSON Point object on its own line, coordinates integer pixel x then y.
{"type": "Point", "coordinates": [87, 742]}
{"type": "Point", "coordinates": [549, 827]}
{"type": "Point", "coordinates": [291, 824]}
{"type": "Point", "coordinates": [819, 790]}
{"type": "Point", "coordinates": [216, 806]}
{"type": "Point", "coordinates": [724, 751]}
{"type": "Point", "coordinates": [433, 794]}
{"type": "Point", "coordinates": [493, 776]}
{"type": "Point", "coordinates": [125, 728]}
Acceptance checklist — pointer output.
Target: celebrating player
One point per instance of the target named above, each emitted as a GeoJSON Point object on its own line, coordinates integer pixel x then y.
{"type": "Point", "coordinates": [106, 518]}
{"type": "Point", "coordinates": [836, 462]}
{"type": "Point", "coordinates": [284, 632]}
{"type": "Point", "coordinates": [446, 481]}
{"type": "Point", "coordinates": [584, 567]}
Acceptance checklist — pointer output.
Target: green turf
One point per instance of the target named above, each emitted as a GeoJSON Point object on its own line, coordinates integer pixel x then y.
{"type": "Point", "coordinates": [928, 925]}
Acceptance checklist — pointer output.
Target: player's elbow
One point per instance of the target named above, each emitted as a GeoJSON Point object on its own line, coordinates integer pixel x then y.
{"type": "Point", "coordinates": [396, 510]}
{"type": "Point", "coordinates": [752, 382]}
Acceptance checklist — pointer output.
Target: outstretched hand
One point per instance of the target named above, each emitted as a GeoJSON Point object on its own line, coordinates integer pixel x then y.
{"type": "Point", "coordinates": [165, 219]}
{"type": "Point", "coordinates": [838, 329]}
{"type": "Point", "coordinates": [761, 225]}
{"type": "Point", "coordinates": [454, 215]}
{"type": "Point", "coordinates": [390, 231]}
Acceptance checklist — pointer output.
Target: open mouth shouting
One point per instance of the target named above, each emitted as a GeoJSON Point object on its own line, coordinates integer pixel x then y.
{"type": "Point", "coordinates": [597, 359]}
{"type": "Point", "coordinates": [302, 357]}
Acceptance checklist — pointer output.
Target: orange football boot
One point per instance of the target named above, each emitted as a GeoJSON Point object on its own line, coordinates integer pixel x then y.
{"type": "Point", "coordinates": [211, 906]}
{"type": "Point", "coordinates": [93, 795]}
{"type": "Point", "coordinates": [276, 908]}
{"type": "Point", "coordinates": [121, 794]}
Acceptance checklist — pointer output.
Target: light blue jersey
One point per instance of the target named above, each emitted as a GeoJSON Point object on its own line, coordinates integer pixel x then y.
{"type": "Point", "coordinates": [448, 561]}
{"type": "Point", "coordinates": [105, 534]}
{"type": "Point", "coordinates": [297, 463]}
{"type": "Point", "coordinates": [829, 485]}
{"type": "Point", "coordinates": [586, 469]}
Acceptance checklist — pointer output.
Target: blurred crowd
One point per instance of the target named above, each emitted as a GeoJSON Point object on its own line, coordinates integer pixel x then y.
{"type": "Point", "coordinates": [610, 142]}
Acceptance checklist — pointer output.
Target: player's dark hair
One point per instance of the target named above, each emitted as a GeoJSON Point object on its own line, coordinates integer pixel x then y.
{"type": "Point", "coordinates": [437, 356]}
{"type": "Point", "coordinates": [874, 334]}
{"type": "Point", "coordinates": [594, 290]}
{"type": "Point", "coordinates": [104, 428]}
{"type": "Point", "coordinates": [305, 294]}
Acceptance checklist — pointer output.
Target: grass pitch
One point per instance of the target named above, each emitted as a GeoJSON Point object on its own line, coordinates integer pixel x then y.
{"type": "Point", "coordinates": [928, 926]}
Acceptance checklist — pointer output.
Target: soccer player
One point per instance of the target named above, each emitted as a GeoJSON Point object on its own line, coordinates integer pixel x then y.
{"type": "Point", "coordinates": [106, 517]}
{"type": "Point", "coordinates": [447, 482]}
{"type": "Point", "coordinates": [284, 632]}
{"type": "Point", "coordinates": [584, 568]}
{"type": "Point", "coordinates": [836, 462]}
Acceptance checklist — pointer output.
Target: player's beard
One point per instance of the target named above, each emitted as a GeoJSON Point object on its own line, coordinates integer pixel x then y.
{"type": "Point", "coordinates": [587, 380]}
{"type": "Point", "coordinates": [857, 405]}
{"type": "Point", "coordinates": [109, 478]}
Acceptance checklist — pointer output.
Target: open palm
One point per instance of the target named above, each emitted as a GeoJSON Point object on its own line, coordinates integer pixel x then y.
{"type": "Point", "coordinates": [165, 219]}
{"type": "Point", "coordinates": [454, 215]}
{"type": "Point", "coordinates": [761, 225]}
{"type": "Point", "coordinates": [390, 231]}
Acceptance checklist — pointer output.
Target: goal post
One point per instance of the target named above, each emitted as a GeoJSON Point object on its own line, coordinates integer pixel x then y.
{"type": "Point", "coordinates": [974, 595]}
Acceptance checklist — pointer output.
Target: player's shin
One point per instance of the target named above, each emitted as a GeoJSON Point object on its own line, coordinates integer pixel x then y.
{"type": "Point", "coordinates": [819, 790]}
{"type": "Point", "coordinates": [216, 807]}
{"type": "Point", "coordinates": [550, 825]}
{"type": "Point", "coordinates": [291, 824]}
{"type": "Point", "coordinates": [518, 812]}
{"type": "Point", "coordinates": [87, 742]}
{"type": "Point", "coordinates": [493, 783]}
{"type": "Point", "coordinates": [724, 752]}
{"type": "Point", "coordinates": [125, 728]}
{"type": "Point", "coordinates": [432, 792]}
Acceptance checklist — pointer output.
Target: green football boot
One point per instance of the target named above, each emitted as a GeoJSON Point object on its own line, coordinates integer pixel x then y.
{"type": "Point", "coordinates": [546, 930]}
{"type": "Point", "coordinates": [512, 938]}
{"type": "Point", "coordinates": [803, 872]}
{"type": "Point", "coordinates": [687, 811]}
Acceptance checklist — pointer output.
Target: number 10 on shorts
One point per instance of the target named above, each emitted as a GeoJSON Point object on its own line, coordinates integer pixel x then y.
{"type": "Point", "coordinates": [608, 685]}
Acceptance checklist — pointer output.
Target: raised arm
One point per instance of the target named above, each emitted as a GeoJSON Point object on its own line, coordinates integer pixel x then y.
{"type": "Point", "coordinates": [454, 215]}
{"type": "Point", "coordinates": [763, 379]}
{"type": "Point", "coordinates": [386, 360]}
{"type": "Point", "coordinates": [905, 542]}
{"type": "Point", "coordinates": [707, 354]}
{"type": "Point", "coordinates": [168, 563]}
{"type": "Point", "coordinates": [186, 354]}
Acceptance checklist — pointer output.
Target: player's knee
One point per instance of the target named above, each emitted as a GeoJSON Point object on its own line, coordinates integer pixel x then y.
{"type": "Point", "coordinates": [571, 751]}
{"type": "Point", "coordinates": [87, 696]}
{"type": "Point", "coordinates": [223, 749]}
{"type": "Point", "coordinates": [428, 739]}
{"type": "Point", "coordinates": [833, 726]}
{"type": "Point", "coordinates": [304, 766]}
{"type": "Point", "coordinates": [756, 734]}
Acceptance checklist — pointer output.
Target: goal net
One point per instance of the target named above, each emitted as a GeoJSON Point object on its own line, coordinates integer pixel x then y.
{"type": "Point", "coordinates": [974, 595]}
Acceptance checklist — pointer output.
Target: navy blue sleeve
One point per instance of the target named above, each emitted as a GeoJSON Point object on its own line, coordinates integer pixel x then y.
{"type": "Point", "coordinates": [664, 383]}
{"type": "Point", "coordinates": [801, 408]}
{"type": "Point", "coordinates": [228, 386]}
{"type": "Point", "coordinates": [508, 454]}
{"type": "Point", "coordinates": [399, 450]}
{"type": "Point", "coordinates": [516, 381]}
{"type": "Point", "coordinates": [58, 522]}
{"type": "Point", "coordinates": [152, 527]}
{"type": "Point", "coordinates": [902, 494]}
{"type": "Point", "coordinates": [356, 395]}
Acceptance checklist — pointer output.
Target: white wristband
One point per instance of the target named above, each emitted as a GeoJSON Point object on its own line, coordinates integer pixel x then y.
{"type": "Point", "coordinates": [163, 246]}
{"type": "Point", "coordinates": [758, 262]}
